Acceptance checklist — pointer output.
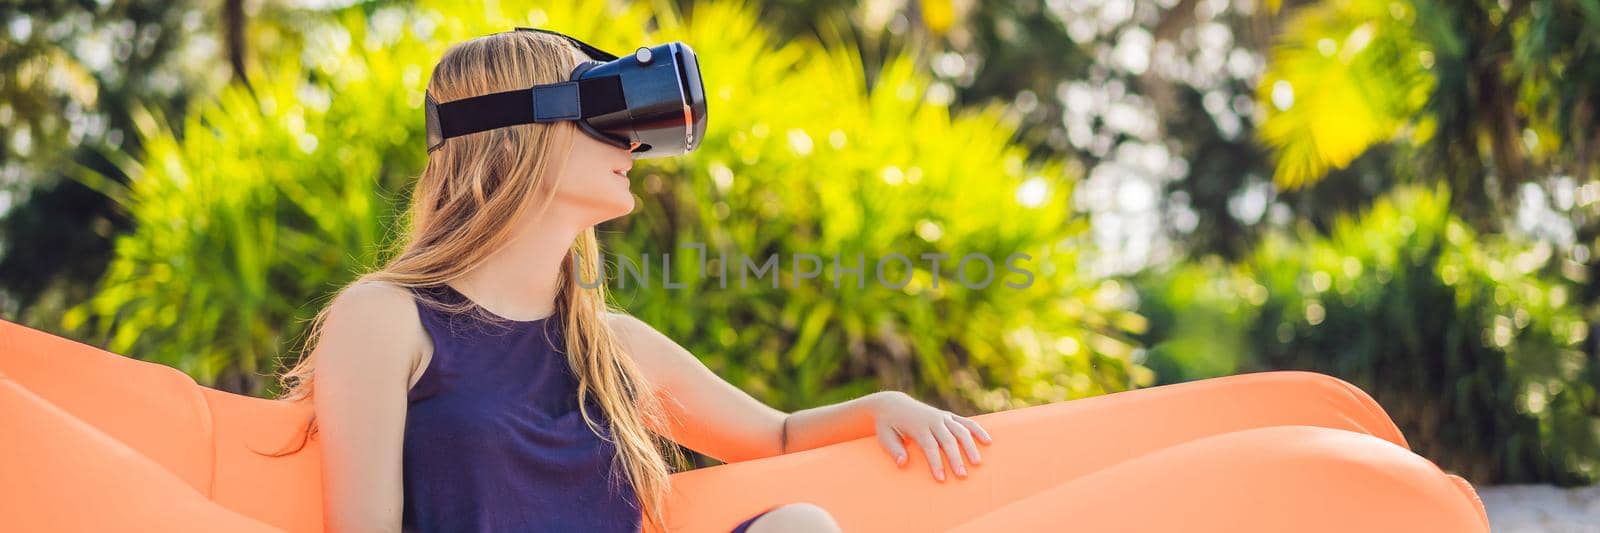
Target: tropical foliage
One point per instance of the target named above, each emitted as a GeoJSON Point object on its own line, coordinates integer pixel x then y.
{"type": "Point", "coordinates": [1472, 343]}
{"type": "Point", "coordinates": [1493, 94]}
{"type": "Point", "coordinates": [277, 194]}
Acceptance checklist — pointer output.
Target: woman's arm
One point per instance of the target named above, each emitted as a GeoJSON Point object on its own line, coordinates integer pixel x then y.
{"type": "Point", "coordinates": [713, 417]}
{"type": "Point", "coordinates": [371, 344]}
{"type": "Point", "coordinates": [704, 412]}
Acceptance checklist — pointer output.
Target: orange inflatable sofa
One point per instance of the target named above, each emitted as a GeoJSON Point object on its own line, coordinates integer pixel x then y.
{"type": "Point", "coordinates": [93, 441]}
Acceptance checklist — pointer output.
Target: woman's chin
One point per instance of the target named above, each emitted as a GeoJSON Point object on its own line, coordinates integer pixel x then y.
{"type": "Point", "coordinates": [625, 208]}
{"type": "Point", "coordinates": [619, 208]}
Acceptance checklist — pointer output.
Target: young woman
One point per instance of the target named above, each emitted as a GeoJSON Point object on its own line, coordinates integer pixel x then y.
{"type": "Point", "coordinates": [471, 384]}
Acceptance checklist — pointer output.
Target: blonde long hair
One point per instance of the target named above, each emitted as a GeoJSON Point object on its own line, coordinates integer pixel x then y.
{"type": "Point", "coordinates": [465, 207]}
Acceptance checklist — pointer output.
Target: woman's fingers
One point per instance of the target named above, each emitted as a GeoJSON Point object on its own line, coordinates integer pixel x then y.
{"type": "Point", "coordinates": [951, 447]}
{"type": "Point", "coordinates": [930, 451]}
{"type": "Point", "coordinates": [964, 435]}
{"type": "Point", "coordinates": [890, 439]}
{"type": "Point", "coordinates": [944, 436]}
{"type": "Point", "coordinates": [977, 430]}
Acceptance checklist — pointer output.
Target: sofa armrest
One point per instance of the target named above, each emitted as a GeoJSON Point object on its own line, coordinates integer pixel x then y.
{"type": "Point", "coordinates": [58, 473]}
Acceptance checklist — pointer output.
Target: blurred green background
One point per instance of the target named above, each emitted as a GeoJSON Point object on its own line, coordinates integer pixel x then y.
{"type": "Point", "coordinates": [1400, 193]}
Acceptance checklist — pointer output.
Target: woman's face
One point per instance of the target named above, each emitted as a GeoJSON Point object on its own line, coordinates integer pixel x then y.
{"type": "Point", "coordinates": [594, 182]}
{"type": "Point", "coordinates": [593, 187]}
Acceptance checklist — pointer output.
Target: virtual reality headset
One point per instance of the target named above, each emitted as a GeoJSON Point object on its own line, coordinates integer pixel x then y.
{"type": "Point", "coordinates": [650, 102]}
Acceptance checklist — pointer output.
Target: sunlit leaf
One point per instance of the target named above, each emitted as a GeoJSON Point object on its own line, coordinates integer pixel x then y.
{"type": "Point", "coordinates": [1344, 76]}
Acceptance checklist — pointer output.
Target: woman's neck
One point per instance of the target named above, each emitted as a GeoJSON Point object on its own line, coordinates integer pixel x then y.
{"type": "Point", "coordinates": [520, 281]}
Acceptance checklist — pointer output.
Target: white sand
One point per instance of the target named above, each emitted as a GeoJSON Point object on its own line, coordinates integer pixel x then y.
{"type": "Point", "coordinates": [1542, 509]}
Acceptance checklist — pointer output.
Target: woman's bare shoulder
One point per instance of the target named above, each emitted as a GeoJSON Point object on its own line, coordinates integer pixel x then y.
{"type": "Point", "coordinates": [371, 320]}
{"type": "Point", "coordinates": [654, 352]}
{"type": "Point", "coordinates": [632, 332]}
{"type": "Point", "coordinates": [375, 302]}
{"type": "Point", "coordinates": [374, 292]}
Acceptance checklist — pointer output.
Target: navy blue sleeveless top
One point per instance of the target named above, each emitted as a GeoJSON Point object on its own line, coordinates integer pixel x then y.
{"type": "Point", "coordinates": [493, 437]}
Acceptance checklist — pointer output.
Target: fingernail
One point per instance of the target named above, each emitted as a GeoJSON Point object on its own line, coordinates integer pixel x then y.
{"type": "Point", "coordinates": [977, 459]}
{"type": "Point", "coordinates": [961, 472]}
{"type": "Point", "coordinates": [938, 474]}
{"type": "Point", "coordinates": [900, 460]}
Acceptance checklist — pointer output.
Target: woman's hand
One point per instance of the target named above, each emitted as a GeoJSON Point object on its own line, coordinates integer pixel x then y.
{"type": "Point", "coordinates": [941, 434]}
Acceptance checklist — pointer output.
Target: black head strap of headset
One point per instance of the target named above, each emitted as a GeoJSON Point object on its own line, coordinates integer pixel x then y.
{"type": "Point", "coordinates": [587, 49]}
{"type": "Point", "coordinates": [568, 100]}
